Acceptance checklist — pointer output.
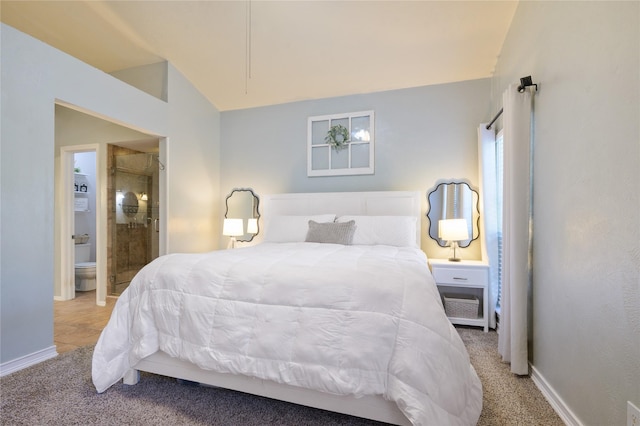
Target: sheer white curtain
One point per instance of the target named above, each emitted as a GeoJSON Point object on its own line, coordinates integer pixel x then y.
{"type": "Point", "coordinates": [516, 228]}
{"type": "Point", "coordinates": [489, 216]}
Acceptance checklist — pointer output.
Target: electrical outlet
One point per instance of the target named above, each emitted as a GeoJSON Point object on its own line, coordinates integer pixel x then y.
{"type": "Point", "coordinates": [633, 415]}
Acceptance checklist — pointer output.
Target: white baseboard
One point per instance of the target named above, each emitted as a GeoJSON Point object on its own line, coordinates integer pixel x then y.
{"type": "Point", "coordinates": [559, 406]}
{"type": "Point", "coordinates": [27, 361]}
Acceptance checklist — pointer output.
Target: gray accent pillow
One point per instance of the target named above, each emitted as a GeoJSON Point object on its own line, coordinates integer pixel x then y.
{"type": "Point", "coordinates": [333, 233]}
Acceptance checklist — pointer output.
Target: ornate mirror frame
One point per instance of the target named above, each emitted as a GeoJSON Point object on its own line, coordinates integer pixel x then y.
{"type": "Point", "coordinates": [243, 203]}
{"type": "Point", "coordinates": [453, 200]}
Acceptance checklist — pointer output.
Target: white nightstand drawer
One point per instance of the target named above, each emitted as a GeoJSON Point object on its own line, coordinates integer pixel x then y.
{"type": "Point", "coordinates": [460, 276]}
{"type": "Point", "coordinates": [467, 278]}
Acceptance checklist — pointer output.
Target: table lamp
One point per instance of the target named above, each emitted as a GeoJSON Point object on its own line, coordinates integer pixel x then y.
{"type": "Point", "coordinates": [453, 230]}
{"type": "Point", "coordinates": [252, 226]}
{"type": "Point", "coordinates": [232, 228]}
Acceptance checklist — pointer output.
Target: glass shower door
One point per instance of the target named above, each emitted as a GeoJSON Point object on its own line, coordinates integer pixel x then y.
{"type": "Point", "coordinates": [134, 233]}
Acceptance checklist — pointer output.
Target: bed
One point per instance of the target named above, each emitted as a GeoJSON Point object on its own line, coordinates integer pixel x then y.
{"type": "Point", "coordinates": [335, 309]}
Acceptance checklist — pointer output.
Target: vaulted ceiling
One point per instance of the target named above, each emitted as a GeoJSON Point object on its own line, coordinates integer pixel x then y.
{"type": "Point", "coordinates": [243, 54]}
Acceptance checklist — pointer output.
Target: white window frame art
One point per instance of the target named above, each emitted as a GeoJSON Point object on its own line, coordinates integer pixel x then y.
{"type": "Point", "coordinates": [358, 155]}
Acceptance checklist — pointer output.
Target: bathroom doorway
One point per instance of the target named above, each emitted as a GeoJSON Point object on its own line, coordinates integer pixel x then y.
{"type": "Point", "coordinates": [79, 218]}
{"type": "Point", "coordinates": [85, 224]}
{"type": "Point", "coordinates": [134, 215]}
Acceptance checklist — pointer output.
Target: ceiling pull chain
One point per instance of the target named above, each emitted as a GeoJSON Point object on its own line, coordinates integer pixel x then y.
{"type": "Point", "coordinates": [247, 59]}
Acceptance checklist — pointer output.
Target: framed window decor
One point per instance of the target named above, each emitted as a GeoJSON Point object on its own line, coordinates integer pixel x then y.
{"type": "Point", "coordinates": [341, 144]}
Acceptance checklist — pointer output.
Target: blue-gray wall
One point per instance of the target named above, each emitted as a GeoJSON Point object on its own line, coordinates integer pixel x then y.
{"type": "Point", "coordinates": [586, 221]}
{"type": "Point", "coordinates": [36, 77]}
{"type": "Point", "coordinates": [421, 134]}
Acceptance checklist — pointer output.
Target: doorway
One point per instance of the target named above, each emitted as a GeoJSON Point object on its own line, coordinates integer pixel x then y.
{"type": "Point", "coordinates": [133, 221]}
{"type": "Point", "coordinates": [85, 223]}
{"type": "Point", "coordinates": [80, 215]}
{"type": "Point", "coordinates": [77, 131]}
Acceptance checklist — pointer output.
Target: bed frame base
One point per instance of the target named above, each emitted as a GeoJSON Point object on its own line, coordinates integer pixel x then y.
{"type": "Point", "coordinates": [368, 407]}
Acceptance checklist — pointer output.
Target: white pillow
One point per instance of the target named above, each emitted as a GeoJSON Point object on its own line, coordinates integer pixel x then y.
{"type": "Point", "coordinates": [399, 231]}
{"type": "Point", "coordinates": [291, 229]}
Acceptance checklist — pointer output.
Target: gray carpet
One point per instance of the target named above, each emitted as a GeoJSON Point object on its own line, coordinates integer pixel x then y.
{"type": "Point", "coordinates": [60, 392]}
{"type": "Point", "coordinates": [508, 400]}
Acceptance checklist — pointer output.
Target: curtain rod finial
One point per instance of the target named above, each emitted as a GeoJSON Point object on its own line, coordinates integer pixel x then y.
{"type": "Point", "coordinates": [526, 82]}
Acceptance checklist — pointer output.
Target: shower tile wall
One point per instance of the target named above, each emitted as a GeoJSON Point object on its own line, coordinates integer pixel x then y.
{"type": "Point", "coordinates": [132, 251]}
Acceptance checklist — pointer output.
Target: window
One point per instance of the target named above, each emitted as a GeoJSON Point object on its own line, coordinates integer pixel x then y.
{"type": "Point", "coordinates": [353, 157]}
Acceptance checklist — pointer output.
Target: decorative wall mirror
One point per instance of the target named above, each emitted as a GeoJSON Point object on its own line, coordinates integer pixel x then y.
{"type": "Point", "coordinates": [453, 200]}
{"type": "Point", "coordinates": [242, 203]}
{"type": "Point", "coordinates": [130, 204]}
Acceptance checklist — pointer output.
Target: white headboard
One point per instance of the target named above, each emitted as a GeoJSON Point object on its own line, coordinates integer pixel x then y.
{"type": "Point", "coordinates": [375, 203]}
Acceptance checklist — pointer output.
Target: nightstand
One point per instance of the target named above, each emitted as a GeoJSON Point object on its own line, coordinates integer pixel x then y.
{"type": "Point", "coordinates": [460, 283]}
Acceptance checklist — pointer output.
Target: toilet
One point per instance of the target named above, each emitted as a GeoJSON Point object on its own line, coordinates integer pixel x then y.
{"type": "Point", "coordinates": [85, 270]}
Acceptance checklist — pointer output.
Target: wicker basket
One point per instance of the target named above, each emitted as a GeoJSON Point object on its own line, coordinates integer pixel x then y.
{"type": "Point", "coordinates": [461, 305]}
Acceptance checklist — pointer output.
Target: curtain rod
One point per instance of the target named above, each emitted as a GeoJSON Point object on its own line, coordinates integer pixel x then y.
{"type": "Point", "coordinates": [524, 83]}
{"type": "Point", "coordinates": [495, 118]}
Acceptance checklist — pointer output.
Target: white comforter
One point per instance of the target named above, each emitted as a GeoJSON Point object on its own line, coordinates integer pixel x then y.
{"type": "Point", "coordinates": [353, 320]}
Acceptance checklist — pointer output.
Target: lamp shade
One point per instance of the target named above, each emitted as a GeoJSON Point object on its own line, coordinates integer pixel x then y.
{"type": "Point", "coordinates": [453, 229]}
{"type": "Point", "coordinates": [252, 226]}
{"type": "Point", "coordinates": [232, 228]}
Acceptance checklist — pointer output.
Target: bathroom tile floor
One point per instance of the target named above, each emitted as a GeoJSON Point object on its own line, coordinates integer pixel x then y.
{"type": "Point", "coordinates": [80, 321]}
